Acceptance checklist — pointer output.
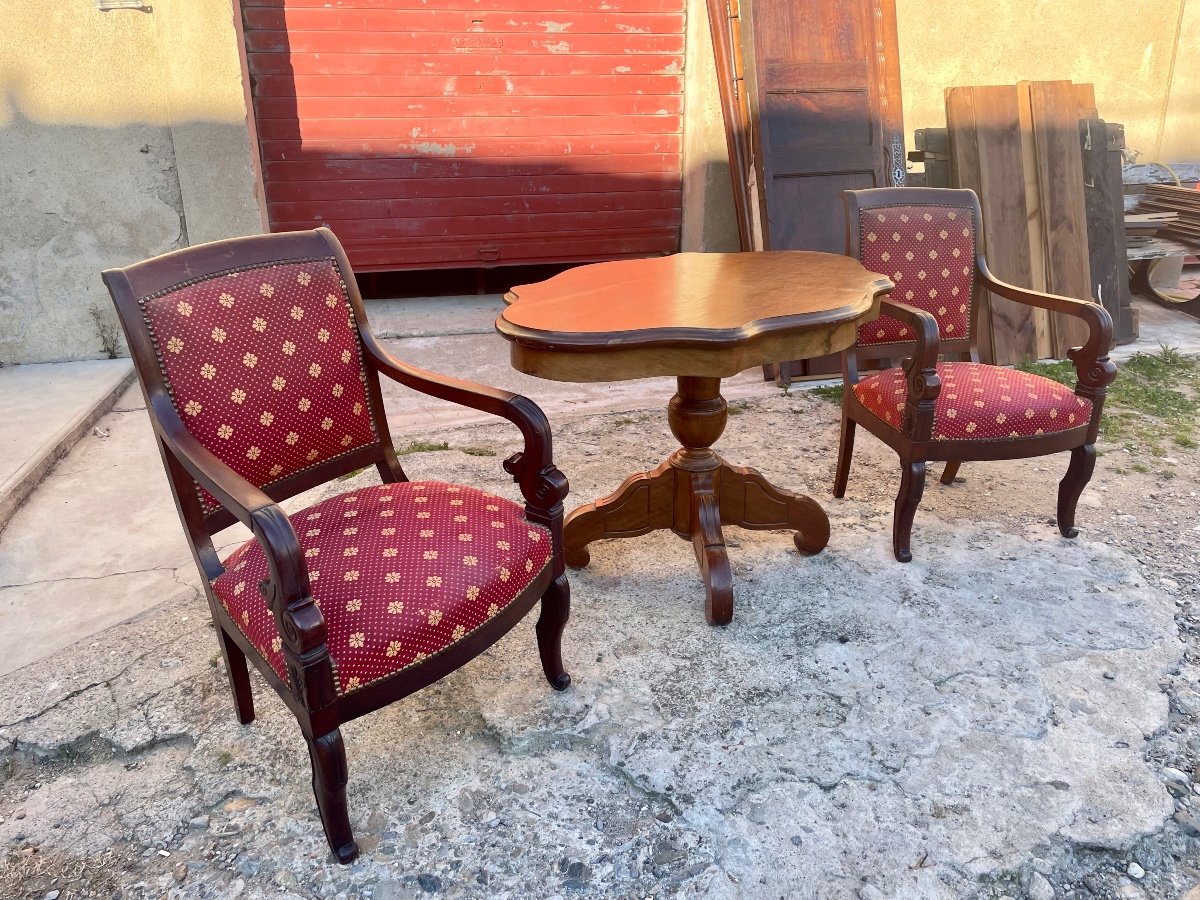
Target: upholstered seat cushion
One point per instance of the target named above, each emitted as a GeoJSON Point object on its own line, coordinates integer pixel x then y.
{"type": "Point", "coordinates": [980, 402]}
{"type": "Point", "coordinates": [399, 571]}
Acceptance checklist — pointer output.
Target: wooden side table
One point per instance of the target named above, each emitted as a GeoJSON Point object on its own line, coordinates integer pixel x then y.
{"type": "Point", "coordinates": [700, 317]}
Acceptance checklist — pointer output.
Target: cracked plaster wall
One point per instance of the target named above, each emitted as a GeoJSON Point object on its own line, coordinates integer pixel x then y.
{"type": "Point", "coordinates": [122, 135]}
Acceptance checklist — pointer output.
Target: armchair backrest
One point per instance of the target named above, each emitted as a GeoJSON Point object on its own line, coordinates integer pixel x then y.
{"type": "Point", "coordinates": [926, 240]}
{"type": "Point", "coordinates": [256, 343]}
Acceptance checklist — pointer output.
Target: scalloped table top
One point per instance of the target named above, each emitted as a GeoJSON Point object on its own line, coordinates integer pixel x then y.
{"type": "Point", "coordinates": [708, 314]}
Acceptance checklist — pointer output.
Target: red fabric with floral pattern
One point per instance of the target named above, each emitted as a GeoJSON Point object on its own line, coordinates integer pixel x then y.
{"type": "Point", "coordinates": [264, 367]}
{"type": "Point", "coordinates": [929, 252]}
{"type": "Point", "coordinates": [399, 571]}
{"type": "Point", "coordinates": [981, 402]}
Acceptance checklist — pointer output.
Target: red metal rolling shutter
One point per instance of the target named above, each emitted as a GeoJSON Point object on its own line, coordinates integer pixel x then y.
{"type": "Point", "coordinates": [436, 133]}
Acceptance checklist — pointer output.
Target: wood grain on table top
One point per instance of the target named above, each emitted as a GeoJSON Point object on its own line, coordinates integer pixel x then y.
{"type": "Point", "coordinates": [691, 297]}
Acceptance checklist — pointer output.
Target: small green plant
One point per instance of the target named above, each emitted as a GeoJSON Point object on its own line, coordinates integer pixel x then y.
{"type": "Point", "coordinates": [106, 330]}
{"type": "Point", "coordinates": [350, 475]}
{"type": "Point", "coordinates": [422, 447]}
{"type": "Point", "coordinates": [624, 420]}
{"type": "Point", "coordinates": [1154, 399]}
{"type": "Point", "coordinates": [479, 451]}
{"type": "Point", "coordinates": [831, 393]}
{"type": "Point", "coordinates": [224, 759]}
{"type": "Point", "coordinates": [736, 409]}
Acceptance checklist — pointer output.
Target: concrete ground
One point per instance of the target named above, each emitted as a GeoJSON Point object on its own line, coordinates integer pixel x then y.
{"type": "Point", "coordinates": [987, 721]}
{"type": "Point", "coordinates": [45, 410]}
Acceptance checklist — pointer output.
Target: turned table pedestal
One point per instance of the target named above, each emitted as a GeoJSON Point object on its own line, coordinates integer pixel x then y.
{"type": "Point", "coordinates": [700, 317]}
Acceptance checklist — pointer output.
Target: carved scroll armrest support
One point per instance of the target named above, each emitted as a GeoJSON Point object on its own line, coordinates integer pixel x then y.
{"type": "Point", "coordinates": [287, 592]}
{"type": "Point", "coordinates": [543, 486]}
{"type": "Point", "coordinates": [920, 371]}
{"type": "Point", "coordinates": [1092, 365]}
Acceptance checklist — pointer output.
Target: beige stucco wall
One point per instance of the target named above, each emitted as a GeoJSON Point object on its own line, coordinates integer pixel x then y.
{"type": "Point", "coordinates": [709, 223]}
{"type": "Point", "coordinates": [1181, 132]}
{"type": "Point", "coordinates": [1131, 52]}
{"type": "Point", "coordinates": [116, 129]}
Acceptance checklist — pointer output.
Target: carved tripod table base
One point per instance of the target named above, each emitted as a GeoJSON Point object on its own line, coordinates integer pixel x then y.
{"type": "Point", "coordinates": [694, 492]}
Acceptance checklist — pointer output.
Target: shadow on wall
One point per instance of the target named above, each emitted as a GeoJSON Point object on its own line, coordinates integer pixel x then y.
{"type": "Point", "coordinates": [78, 198]}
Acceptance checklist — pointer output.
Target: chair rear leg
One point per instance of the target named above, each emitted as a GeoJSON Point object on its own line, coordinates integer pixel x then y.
{"type": "Point", "coordinates": [556, 609]}
{"type": "Point", "coordinates": [912, 486]}
{"type": "Point", "coordinates": [239, 676]}
{"type": "Point", "coordinates": [1079, 473]}
{"type": "Point", "coordinates": [950, 471]}
{"type": "Point", "coordinates": [329, 778]}
{"type": "Point", "coordinates": [845, 451]}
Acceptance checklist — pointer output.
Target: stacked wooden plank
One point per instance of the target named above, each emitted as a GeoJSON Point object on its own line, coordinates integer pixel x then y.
{"type": "Point", "coordinates": [1018, 147]}
{"type": "Point", "coordinates": [1183, 202]}
{"type": "Point", "coordinates": [1149, 223]}
{"type": "Point", "coordinates": [1142, 228]}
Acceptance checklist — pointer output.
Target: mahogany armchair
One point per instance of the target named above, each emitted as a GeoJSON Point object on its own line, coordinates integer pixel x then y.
{"type": "Point", "coordinates": [943, 404]}
{"type": "Point", "coordinates": [261, 378]}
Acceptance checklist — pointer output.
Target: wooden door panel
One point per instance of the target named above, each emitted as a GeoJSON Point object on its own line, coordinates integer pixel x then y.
{"type": "Point", "coordinates": [830, 75]}
{"type": "Point", "coordinates": [817, 119]}
{"type": "Point", "coordinates": [827, 161]}
{"type": "Point", "coordinates": [809, 200]}
{"type": "Point", "coordinates": [810, 93]}
{"type": "Point", "coordinates": [826, 84]}
{"type": "Point", "coordinates": [819, 31]}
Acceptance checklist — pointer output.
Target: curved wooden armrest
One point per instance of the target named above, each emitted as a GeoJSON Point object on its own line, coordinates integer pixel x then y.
{"type": "Point", "coordinates": [920, 371]}
{"type": "Point", "coordinates": [924, 325]}
{"type": "Point", "coordinates": [1092, 365]}
{"type": "Point", "coordinates": [288, 593]}
{"type": "Point", "coordinates": [543, 486]}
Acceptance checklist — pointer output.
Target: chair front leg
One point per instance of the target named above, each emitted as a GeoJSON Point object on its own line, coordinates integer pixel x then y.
{"type": "Point", "coordinates": [1079, 473]}
{"type": "Point", "coordinates": [912, 486]}
{"type": "Point", "coordinates": [845, 452]}
{"type": "Point", "coordinates": [329, 779]}
{"type": "Point", "coordinates": [556, 609]}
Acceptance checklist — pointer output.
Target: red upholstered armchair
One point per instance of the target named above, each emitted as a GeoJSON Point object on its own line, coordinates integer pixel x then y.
{"type": "Point", "coordinates": [955, 408]}
{"type": "Point", "coordinates": [261, 377]}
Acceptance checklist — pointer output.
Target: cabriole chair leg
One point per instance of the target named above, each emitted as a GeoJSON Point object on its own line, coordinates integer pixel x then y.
{"type": "Point", "coordinates": [912, 486]}
{"type": "Point", "coordinates": [556, 609]}
{"type": "Point", "coordinates": [330, 777]}
{"type": "Point", "coordinates": [845, 451]}
{"type": "Point", "coordinates": [1079, 473]}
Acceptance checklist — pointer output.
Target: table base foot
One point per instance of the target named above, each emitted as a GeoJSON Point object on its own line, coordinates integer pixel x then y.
{"type": "Point", "coordinates": [750, 501]}
{"type": "Point", "coordinates": [643, 503]}
{"type": "Point", "coordinates": [709, 544]}
{"type": "Point", "coordinates": [694, 497]}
